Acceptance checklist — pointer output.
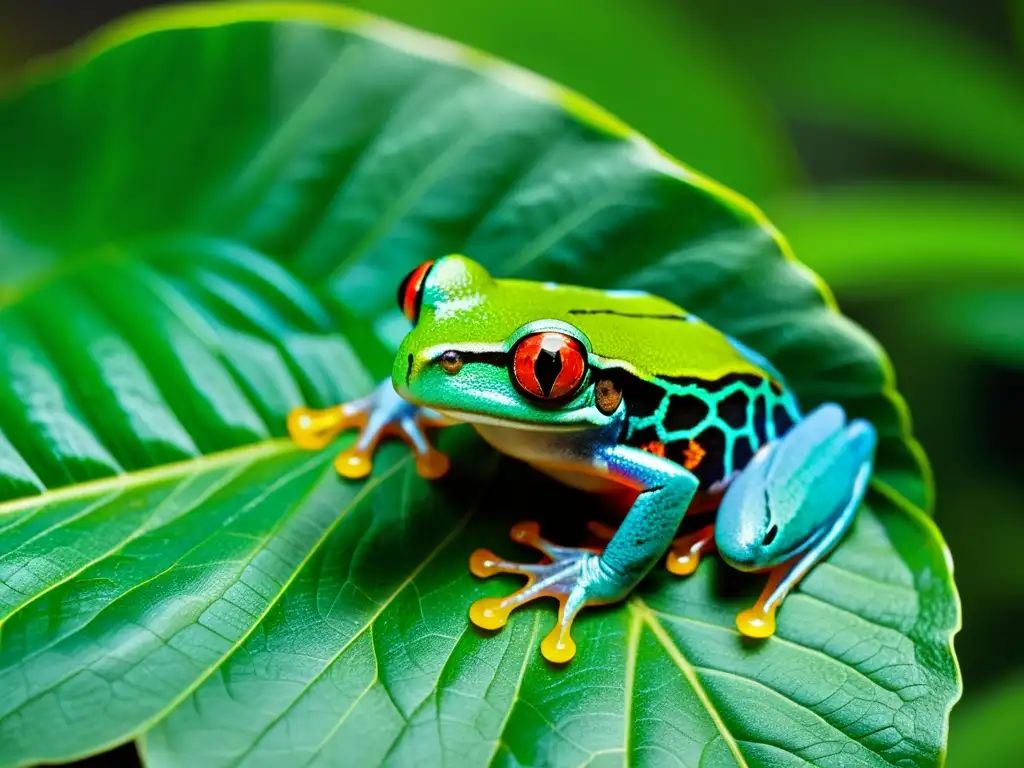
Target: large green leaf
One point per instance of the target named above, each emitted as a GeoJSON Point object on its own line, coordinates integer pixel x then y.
{"type": "Point", "coordinates": [607, 52]}
{"type": "Point", "coordinates": [203, 214]}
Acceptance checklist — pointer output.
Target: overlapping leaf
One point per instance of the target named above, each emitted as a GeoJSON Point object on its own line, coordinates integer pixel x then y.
{"type": "Point", "coordinates": [202, 218]}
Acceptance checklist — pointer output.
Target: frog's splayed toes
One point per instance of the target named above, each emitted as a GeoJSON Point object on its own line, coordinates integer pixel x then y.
{"type": "Point", "coordinates": [563, 574]}
{"type": "Point", "coordinates": [380, 414]}
{"type": "Point", "coordinates": [612, 389]}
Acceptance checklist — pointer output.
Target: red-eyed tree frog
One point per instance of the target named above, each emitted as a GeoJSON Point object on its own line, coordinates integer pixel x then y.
{"type": "Point", "coordinates": [608, 389]}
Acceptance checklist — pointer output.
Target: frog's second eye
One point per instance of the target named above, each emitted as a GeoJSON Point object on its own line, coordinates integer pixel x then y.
{"type": "Point", "coordinates": [410, 291]}
{"type": "Point", "coordinates": [549, 365]}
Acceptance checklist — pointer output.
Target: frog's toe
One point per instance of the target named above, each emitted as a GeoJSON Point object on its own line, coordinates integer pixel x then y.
{"type": "Point", "coordinates": [313, 429]}
{"type": "Point", "coordinates": [571, 575]}
{"type": "Point", "coordinates": [430, 462]}
{"type": "Point", "coordinates": [380, 414]}
{"type": "Point", "coordinates": [354, 464]}
{"type": "Point", "coordinates": [684, 556]}
{"type": "Point", "coordinates": [757, 622]}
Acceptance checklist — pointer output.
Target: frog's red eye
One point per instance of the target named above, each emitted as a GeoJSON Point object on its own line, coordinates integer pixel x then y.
{"type": "Point", "coordinates": [549, 365]}
{"type": "Point", "coordinates": [410, 291]}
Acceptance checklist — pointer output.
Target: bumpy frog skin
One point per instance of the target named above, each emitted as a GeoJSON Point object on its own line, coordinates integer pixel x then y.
{"type": "Point", "coordinates": [605, 389]}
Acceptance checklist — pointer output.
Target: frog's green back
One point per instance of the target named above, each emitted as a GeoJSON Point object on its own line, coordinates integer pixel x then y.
{"type": "Point", "coordinates": [651, 336]}
{"type": "Point", "coordinates": [648, 335]}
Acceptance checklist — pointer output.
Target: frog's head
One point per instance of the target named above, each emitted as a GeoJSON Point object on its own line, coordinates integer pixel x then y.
{"type": "Point", "coordinates": [496, 351]}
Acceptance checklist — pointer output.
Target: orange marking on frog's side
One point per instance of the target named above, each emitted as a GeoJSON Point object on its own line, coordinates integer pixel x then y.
{"type": "Point", "coordinates": [656, 447]}
{"type": "Point", "coordinates": [693, 455]}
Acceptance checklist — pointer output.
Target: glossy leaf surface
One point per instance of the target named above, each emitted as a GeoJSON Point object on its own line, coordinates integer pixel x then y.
{"type": "Point", "coordinates": [654, 66]}
{"type": "Point", "coordinates": [203, 216]}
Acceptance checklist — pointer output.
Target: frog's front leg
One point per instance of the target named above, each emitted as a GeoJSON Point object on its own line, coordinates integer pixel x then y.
{"type": "Point", "coordinates": [578, 577]}
{"type": "Point", "coordinates": [381, 413]}
{"type": "Point", "coordinates": [790, 506]}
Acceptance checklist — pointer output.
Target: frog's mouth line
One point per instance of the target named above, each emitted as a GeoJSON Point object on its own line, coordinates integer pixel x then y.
{"type": "Point", "coordinates": [469, 417]}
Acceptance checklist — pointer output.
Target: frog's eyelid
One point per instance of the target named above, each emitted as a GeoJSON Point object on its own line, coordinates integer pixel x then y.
{"type": "Point", "coordinates": [549, 325]}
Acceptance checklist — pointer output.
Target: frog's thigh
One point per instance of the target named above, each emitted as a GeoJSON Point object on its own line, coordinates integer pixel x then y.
{"type": "Point", "coordinates": [665, 492]}
{"type": "Point", "coordinates": [793, 503]}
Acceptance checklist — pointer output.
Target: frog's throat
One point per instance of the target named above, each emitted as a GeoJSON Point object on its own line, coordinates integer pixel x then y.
{"type": "Point", "coordinates": [479, 418]}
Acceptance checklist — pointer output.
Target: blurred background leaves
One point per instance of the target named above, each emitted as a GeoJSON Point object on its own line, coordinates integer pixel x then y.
{"type": "Point", "coordinates": [887, 141]}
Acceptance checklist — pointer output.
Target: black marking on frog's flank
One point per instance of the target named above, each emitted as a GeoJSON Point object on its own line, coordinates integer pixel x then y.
{"type": "Point", "coordinates": [782, 419]}
{"type": "Point", "coordinates": [742, 453]}
{"type": "Point", "coordinates": [728, 381]}
{"type": "Point", "coordinates": [711, 469]}
{"type": "Point", "coordinates": [642, 397]}
{"type": "Point", "coordinates": [722, 421]}
{"type": "Point", "coordinates": [645, 436]}
{"type": "Point", "coordinates": [635, 315]}
{"type": "Point", "coordinates": [685, 412]}
{"type": "Point", "coordinates": [760, 420]}
{"type": "Point", "coordinates": [733, 409]}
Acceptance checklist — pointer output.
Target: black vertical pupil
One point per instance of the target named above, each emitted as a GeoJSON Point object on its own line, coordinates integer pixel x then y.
{"type": "Point", "coordinates": [546, 368]}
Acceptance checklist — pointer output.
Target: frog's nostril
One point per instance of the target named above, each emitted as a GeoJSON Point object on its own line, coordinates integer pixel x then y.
{"type": "Point", "coordinates": [408, 371]}
{"type": "Point", "coordinates": [770, 536]}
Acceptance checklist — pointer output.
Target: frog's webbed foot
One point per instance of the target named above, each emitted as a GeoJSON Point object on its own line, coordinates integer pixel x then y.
{"type": "Point", "coordinates": [684, 556]}
{"type": "Point", "coordinates": [758, 621]}
{"type": "Point", "coordinates": [380, 414]}
{"type": "Point", "coordinates": [574, 576]}
{"type": "Point", "coordinates": [792, 504]}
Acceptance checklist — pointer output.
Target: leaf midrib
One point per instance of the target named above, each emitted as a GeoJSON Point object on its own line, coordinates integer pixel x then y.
{"type": "Point", "coordinates": [455, 531]}
{"type": "Point", "coordinates": [151, 475]}
{"type": "Point", "coordinates": [648, 617]}
{"type": "Point", "coordinates": [370, 485]}
{"type": "Point", "coordinates": [143, 528]}
{"type": "Point", "coordinates": [53, 643]}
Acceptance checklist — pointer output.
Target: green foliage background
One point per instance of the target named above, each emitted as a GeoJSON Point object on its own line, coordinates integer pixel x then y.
{"type": "Point", "coordinates": [884, 139]}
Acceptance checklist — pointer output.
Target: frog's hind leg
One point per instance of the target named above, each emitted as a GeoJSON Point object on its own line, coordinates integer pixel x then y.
{"type": "Point", "coordinates": [582, 576]}
{"type": "Point", "coordinates": [688, 549]}
{"type": "Point", "coordinates": [380, 414]}
{"type": "Point", "coordinates": [543, 579]}
{"type": "Point", "coordinates": [792, 504]}
{"type": "Point", "coordinates": [684, 555]}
